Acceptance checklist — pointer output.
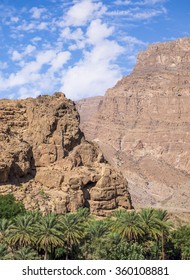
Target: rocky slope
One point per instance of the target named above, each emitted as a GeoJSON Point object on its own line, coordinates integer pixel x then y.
{"type": "Point", "coordinates": [143, 126]}
{"type": "Point", "coordinates": [46, 162]}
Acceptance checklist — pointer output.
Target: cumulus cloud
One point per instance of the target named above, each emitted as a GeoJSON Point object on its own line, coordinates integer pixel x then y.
{"type": "Point", "coordinates": [31, 76]}
{"type": "Point", "coordinates": [95, 73]}
{"type": "Point", "coordinates": [82, 12]}
{"type": "Point", "coordinates": [98, 31]}
{"type": "Point", "coordinates": [32, 26]}
{"type": "Point", "coordinates": [17, 56]}
{"type": "Point", "coordinates": [76, 46]}
{"type": "Point", "coordinates": [60, 59]}
{"type": "Point", "coordinates": [68, 34]}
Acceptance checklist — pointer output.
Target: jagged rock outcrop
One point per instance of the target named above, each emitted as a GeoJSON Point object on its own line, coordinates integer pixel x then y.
{"type": "Point", "coordinates": [46, 162]}
{"type": "Point", "coordinates": [143, 126]}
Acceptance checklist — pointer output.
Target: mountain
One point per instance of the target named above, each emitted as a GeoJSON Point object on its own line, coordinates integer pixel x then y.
{"type": "Point", "coordinates": [47, 164]}
{"type": "Point", "coordinates": [142, 125]}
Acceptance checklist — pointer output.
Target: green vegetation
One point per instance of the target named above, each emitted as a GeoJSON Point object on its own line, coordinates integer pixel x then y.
{"type": "Point", "coordinates": [9, 207]}
{"type": "Point", "coordinates": [147, 234]}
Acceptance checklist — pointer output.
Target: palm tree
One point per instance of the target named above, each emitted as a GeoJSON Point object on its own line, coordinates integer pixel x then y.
{"type": "Point", "coordinates": [4, 228]}
{"type": "Point", "coordinates": [152, 231]}
{"type": "Point", "coordinates": [72, 230]}
{"type": "Point", "coordinates": [3, 251]}
{"type": "Point", "coordinates": [21, 232]}
{"type": "Point", "coordinates": [95, 241]}
{"type": "Point", "coordinates": [149, 223]}
{"type": "Point", "coordinates": [35, 215]}
{"type": "Point", "coordinates": [97, 229]}
{"type": "Point", "coordinates": [127, 224]}
{"type": "Point", "coordinates": [25, 253]}
{"type": "Point", "coordinates": [162, 218]}
{"type": "Point", "coordinates": [48, 234]}
{"type": "Point", "coordinates": [82, 214]}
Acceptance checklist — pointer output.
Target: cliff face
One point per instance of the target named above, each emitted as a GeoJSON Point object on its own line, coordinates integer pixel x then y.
{"type": "Point", "coordinates": [143, 126]}
{"type": "Point", "coordinates": [46, 162]}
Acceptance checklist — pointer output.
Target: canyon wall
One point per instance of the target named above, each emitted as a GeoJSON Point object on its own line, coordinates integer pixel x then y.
{"type": "Point", "coordinates": [142, 125]}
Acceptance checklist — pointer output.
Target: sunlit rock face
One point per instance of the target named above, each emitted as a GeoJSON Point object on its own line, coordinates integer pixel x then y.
{"type": "Point", "coordinates": [47, 164]}
{"type": "Point", "coordinates": [143, 126]}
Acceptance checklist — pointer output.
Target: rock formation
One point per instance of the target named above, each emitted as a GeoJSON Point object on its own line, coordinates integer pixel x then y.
{"type": "Point", "coordinates": [46, 162]}
{"type": "Point", "coordinates": [142, 125]}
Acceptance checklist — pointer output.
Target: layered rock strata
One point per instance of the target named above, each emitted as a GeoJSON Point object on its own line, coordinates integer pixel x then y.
{"type": "Point", "coordinates": [143, 126]}
{"type": "Point", "coordinates": [47, 164]}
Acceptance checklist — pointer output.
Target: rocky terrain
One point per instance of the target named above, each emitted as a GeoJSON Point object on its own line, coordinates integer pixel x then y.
{"type": "Point", "coordinates": [48, 165]}
{"type": "Point", "coordinates": [142, 125]}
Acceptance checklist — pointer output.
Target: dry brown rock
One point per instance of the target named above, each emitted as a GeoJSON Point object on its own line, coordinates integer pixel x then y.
{"type": "Point", "coordinates": [46, 162]}
{"type": "Point", "coordinates": [143, 126]}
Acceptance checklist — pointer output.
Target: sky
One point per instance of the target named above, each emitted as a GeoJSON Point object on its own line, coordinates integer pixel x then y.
{"type": "Point", "coordinates": [81, 48]}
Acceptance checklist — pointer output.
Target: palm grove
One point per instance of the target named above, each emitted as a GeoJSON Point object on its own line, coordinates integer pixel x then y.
{"type": "Point", "coordinates": [146, 234]}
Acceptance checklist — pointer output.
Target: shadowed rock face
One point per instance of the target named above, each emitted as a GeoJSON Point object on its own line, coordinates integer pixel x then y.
{"type": "Point", "coordinates": [46, 162]}
{"type": "Point", "coordinates": [143, 126]}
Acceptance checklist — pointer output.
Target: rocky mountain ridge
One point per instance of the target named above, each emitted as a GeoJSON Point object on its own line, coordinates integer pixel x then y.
{"type": "Point", "coordinates": [47, 164]}
{"type": "Point", "coordinates": [142, 125]}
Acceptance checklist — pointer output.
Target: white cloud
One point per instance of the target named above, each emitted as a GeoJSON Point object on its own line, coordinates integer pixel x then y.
{"type": "Point", "coordinates": [16, 56]}
{"type": "Point", "coordinates": [32, 26]}
{"type": "Point", "coordinates": [42, 25]}
{"type": "Point", "coordinates": [148, 14]}
{"type": "Point", "coordinates": [14, 19]}
{"type": "Point", "coordinates": [36, 40]}
{"type": "Point", "coordinates": [75, 47]}
{"type": "Point", "coordinates": [60, 59]}
{"type": "Point", "coordinates": [98, 31]}
{"type": "Point", "coordinates": [37, 76]}
{"type": "Point", "coordinates": [25, 92]}
{"type": "Point", "coordinates": [76, 35]}
{"type": "Point", "coordinates": [37, 12]}
{"type": "Point", "coordinates": [29, 49]}
{"type": "Point", "coordinates": [95, 73]}
{"type": "Point", "coordinates": [27, 26]}
{"type": "Point", "coordinates": [120, 2]}
{"type": "Point", "coordinates": [76, 38]}
{"type": "Point", "coordinates": [151, 2]}
{"type": "Point", "coordinates": [82, 12]}
{"type": "Point", "coordinates": [136, 3]}
{"type": "Point", "coordinates": [138, 14]}
{"type": "Point", "coordinates": [133, 41]}
{"type": "Point", "coordinates": [119, 13]}
{"type": "Point", "coordinates": [95, 34]}
{"type": "Point", "coordinates": [30, 71]}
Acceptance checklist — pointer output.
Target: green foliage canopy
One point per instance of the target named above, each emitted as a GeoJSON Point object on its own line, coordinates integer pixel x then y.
{"type": "Point", "coordinates": [9, 207]}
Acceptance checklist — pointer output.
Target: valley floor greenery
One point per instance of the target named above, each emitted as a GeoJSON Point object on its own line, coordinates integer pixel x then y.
{"type": "Point", "coordinates": [126, 235]}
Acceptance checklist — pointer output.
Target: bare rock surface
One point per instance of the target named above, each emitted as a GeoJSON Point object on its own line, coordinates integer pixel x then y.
{"type": "Point", "coordinates": [142, 125]}
{"type": "Point", "coordinates": [48, 165]}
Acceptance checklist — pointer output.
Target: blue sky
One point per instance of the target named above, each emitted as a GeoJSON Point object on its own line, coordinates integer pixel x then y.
{"type": "Point", "coordinates": [80, 47]}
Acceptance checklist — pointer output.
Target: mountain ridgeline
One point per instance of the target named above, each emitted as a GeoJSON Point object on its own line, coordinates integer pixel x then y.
{"type": "Point", "coordinates": [142, 125]}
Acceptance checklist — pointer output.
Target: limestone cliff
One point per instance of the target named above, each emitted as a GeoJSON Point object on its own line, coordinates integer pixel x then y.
{"type": "Point", "coordinates": [46, 162]}
{"type": "Point", "coordinates": [142, 125]}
